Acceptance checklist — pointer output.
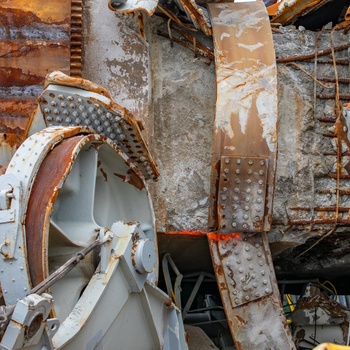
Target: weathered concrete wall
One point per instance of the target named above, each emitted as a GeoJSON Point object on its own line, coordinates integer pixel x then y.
{"type": "Point", "coordinates": [174, 95]}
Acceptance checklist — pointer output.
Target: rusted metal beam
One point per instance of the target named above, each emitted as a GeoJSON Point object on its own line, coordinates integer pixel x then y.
{"type": "Point", "coordinates": [243, 172]}
{"type": "Point", "coordinates": [312, 55]}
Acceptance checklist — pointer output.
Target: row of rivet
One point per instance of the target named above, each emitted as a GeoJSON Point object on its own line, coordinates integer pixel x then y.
{"type": "Point", "coordinates": [103, 122]}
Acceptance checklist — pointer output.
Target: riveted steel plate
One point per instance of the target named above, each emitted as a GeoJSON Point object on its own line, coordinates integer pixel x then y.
{"type": "Point", "coordinates": [245, 268]}
{"type": "Point", "coordinates": [68, 106]}
{"type": "Point", "coordinates": [242, 194]}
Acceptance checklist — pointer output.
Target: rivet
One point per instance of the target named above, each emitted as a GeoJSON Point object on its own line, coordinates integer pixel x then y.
{"type": "Point", "coordinates": [267, 291]}
{"type": "Point", "coordinates": [238, 171]}
{"type": "Point", "coordinates": [234, 292]}
{"type": "Point", "coordinates": [224, 189]}
{"type": "Point", "coordinates": [234, 224]}
{"type": "Point", "coordinates": [47, 110]}
{"type": "Point", "coordinates": [261, 172]}
{"type": "Point", "coordinates": [252, 276]}
{"type": "Point", "coordinates": [265, 282]}
{"type": "Point", "coordinates": [247, 249]}
{"type": "Point", "coordinates": [100, 112]}
{"type": "Point", "coordinates": [247, 190]}
{"type": "Point", "coordinates": [236, 190]}
{"type": "Point", "coordinates": [261, 263]}
{"type": "Point", "coordinates": [257, 245]}
{"type": "Point", "coordinates": [250, 162]}
{"type": "Point", "coordinates": [238, 261]}
{"type": "Point", "coordinates": [259, 191]}
{"type": "Point", "coordinates": [87, 121]}
{"type": "Point", "coordinates": [263, 272]}
{"type": "Point", "coordinates": [223, 198]}
{"type": "Point", "coordinates": [246, 208]}
{"type": "Point", "coordinates": [242, 279]}
{"type": "Point", "coordinates": [25, 289]}
{"type": "Point", "coordinates": [255, 285]}
{"type": "Point", "coordinates": [245, 217]}
{"type": "Point", "coordinates": [58, 119]}
{"type": "Point", "coordinates": [236, 301]}
{"type": "Point", "coordinates": [75, 114]}
{"type": "Point", "coordinates": [234, 216]}
{"type": "Point", "coordinates": [249, 181]}
{"type": "Point", "coordinates": [70, 98]}
{"type": "Point", "coordinates": [65, 112]}
{"type": "Point", "coordinates": [20, 268]}
{"type": "Point", "coordinates": [49, 118]}
{"type": "Point", "coordinates": [223, 206]}
{"type": "Point", "coordinates": [260, 182]}
{"type": "Point", "coordinates": [245, 226]}
{"type": "Point", "coordinates": [235, 207]}
{"type": "Point", "coordinates": [247, 199]}
{"type": "Point", "coordinates": [68, 120]}
{"type": "Point", "coordinates": [13, 280]}
{"type": "Point", "coordinates": [236, 252]}
{"type": "Point", "coordinates": [259, 254]}
{"type": "Point", "coordinates": [63, 104]}
{"type": "Point", "coordinates": [257, 294]}
{"type": "Point", "coordinates": [237, 181]}
{"type": "Point", "coordinates": [79, 100]}
{"type": "Point", "coordinates": [251, 267]}
{"type": "Point", "coordinates": [258, 210]}
{"type": "Point", "coordinates": [258, 200]}
{"type": "Point", "coordinates": [112, 136]}
{"type": "Point", "coordinates": [108, 115]}
{"type": "Point", "coordinates": [77, 120]}
{"type": "Point", "coordinates": [262, 162]}
{"type": "Point", "coordinates": [257, 218]}
{"type": "Point", "coordinates": [245, 288]}
{"type": "Point", "coordinates": [226, 171]}
{"type": "Point", "coordinates": [100, 129]}
{"type": "Point", "coordinates": [60, 97]}
{"type": "Point", "coordinates": [238, 161]}
{"type": "Point", "coordinates": [247, 297]}
{"type": "Point", "coordinates": [236, 199]}
{"type": "Point", "coordinates": [249, 258]}
{"type": "Point", "coordinates": [241, 270]}
{"type": "Point", "coordinates": [250, 172]}
{"type": "Point", "coordinates": [72, 105]}
{"type": "Point", "coordinates": [56, 111]}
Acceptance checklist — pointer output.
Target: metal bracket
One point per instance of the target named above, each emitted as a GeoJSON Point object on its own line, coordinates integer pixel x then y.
{"type": "Point", "coordinates": [65, 104]}
{"type": "Point", "coordinates": [245, 268]}
{"type": "Point", "coordinates": [242, 193]}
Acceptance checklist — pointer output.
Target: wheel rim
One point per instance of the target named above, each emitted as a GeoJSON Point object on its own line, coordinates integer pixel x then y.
{"type": "Point", "coordinates": [83, 184]}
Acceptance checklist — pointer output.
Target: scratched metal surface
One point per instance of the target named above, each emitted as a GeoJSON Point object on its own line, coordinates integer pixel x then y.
{"type": "Point", "coordinates": [246, 106]}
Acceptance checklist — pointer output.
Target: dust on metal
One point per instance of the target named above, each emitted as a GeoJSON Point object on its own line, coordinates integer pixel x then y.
{"type": "Point", "coordinates": [246, 270]}
{"type": "Point", "coordinates": [69, 103]}
{"type": "Point", "coordinates": [241, 196]}
{"type": "Point", "coordinates": [254, 321]}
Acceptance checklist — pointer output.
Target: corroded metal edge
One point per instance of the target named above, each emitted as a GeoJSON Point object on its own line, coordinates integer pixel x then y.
{"type": "Point", "coordinates": [257, 323]}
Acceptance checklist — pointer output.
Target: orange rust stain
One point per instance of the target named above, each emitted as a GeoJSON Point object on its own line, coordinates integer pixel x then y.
{"type": "Point", "coordinates": [213, 236]}
{"type": "Point", "coordinates": [141, 24]}
{"type": "Point", "coordinates": [104, 174]}
{"type": "Point", "coordinates": [48, 11]}
{"type": "Point", "coordinates": [186, 232]}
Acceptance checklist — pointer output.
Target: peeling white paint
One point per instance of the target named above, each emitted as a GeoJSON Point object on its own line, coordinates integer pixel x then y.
{"type": "Point", "coordinates": [251, 47]}
{"type": "Point", "coordinates": [242, 19]}
{"type": "Point", "coordinates": [224, 35]}
{"type": "Point", "coordinates": [240, 92]}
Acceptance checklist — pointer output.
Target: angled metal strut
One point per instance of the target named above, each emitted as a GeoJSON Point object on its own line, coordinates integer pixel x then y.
{"type": "Point", "coordinates": [243, 172]}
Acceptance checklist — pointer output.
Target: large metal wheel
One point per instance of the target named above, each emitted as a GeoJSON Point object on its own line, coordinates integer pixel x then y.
{"type": "Point", "coordinates": [84, 183]}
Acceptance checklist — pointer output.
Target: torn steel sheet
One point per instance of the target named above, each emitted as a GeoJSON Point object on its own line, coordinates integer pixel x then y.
{"type": "Point", "coordinates": [148, 6]}
{"type": "Point", "coordinates": [70, 101]}
{"type": "Point", "coordinates": [197, 14]}
{"type": "Point", "coordinates": [244, 160]}
{"type": "Point", "coordinates": [317, 318]}
{"type": "Point", "coordinates": [287, 12]}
